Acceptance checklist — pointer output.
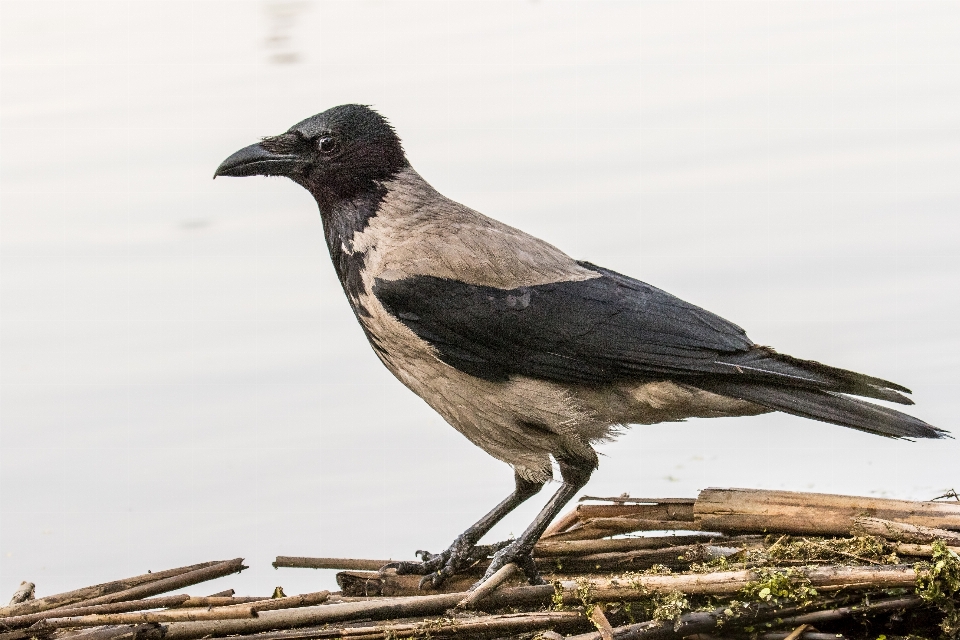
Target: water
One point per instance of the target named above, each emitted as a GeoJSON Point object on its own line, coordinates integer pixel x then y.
{"type": "Point", "coordinates": [181, 378]}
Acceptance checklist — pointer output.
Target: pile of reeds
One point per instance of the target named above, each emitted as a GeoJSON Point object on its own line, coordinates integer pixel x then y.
{"type": "Point", "coordinates": [746, 564]}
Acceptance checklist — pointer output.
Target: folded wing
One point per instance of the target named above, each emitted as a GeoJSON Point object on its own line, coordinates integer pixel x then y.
{"type": "Point", "coordinates": [613, 328]}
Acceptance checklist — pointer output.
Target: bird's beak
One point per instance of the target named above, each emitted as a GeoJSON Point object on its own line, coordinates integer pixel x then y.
{"type": "Point", "coordinates": [257, 161]}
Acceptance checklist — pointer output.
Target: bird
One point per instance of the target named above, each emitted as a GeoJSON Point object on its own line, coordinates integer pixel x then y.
{"type": "Point", "coordinates": [533, 356]}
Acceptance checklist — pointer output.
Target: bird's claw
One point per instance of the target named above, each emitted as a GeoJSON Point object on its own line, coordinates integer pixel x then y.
{"type": "Point", "coordinates": [436, 568]}
{"type": "Point", "coordinates": [523, 558]}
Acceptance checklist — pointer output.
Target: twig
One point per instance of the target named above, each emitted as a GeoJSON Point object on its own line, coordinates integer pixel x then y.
{"type": "Point", "coordinates": [825, 578]}
{"type": "Point", "coordinates": [793, 635]}
{"type": "Point", "coordinates": [806, 635]}
{"type": "Point", "coordinates": [488, 586]}
{"type": "Point", "coordinates": [14, 622]}
{"type": "Point", "coordinates": [681, 556]}
{"type": "Point", "coordinates": [951, 493]}
{"type": "Point", "coordinates": [629, 500]}
{"type": "Point", "coordinates": [379, 609]}
{"type": "Point", "coordinates": [590, 521]}
{"type": "Point", "coordinates": [919, 550]}
{"type": "Point", "coordinates": [87, 593]}
{"type": "Point", "coordinates": [389, 584]}
{"type": "Point", "coordinates": [182, 615]}
{"type": "Point", "coordinates": [289, 602]}
{"type": "Point", "coordinates": [151, 631]}
{"type": "Point", "coordinates": [902, 532]}
{"type": "Point", "coordinates": [478, 627]}
{"type": "Point", "coordinates": [887, 604]}
{"type": "Point", "coordinates": [547, 549]}
{"type": "Point", "coordinates": [217, 570]}
{"type": "Point", "coordinates": [347, 564]}
{"type": "Point", "coordinates": [754, 510]}
{"type": "Point", "coordinates": [218, 601]}
{"type": "Point", "coordinates": [600, 620]}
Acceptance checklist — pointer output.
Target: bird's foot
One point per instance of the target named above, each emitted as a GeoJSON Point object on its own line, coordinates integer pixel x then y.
{"type": "Point", "coordinates": [521, 556]}
{"type": "Point", "coordinates": [436, 568]}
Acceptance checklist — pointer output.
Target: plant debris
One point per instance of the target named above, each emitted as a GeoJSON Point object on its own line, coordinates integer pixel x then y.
{"type": "Point", "coordinates": [757, 574]}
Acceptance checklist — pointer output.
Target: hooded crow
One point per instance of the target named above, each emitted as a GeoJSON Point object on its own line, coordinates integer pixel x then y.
{"type": "Point", "coordinates": [528, 353]}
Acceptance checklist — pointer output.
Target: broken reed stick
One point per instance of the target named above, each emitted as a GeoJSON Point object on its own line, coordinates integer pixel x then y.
{"type": "Point", "coordinates": [902, 532]}
{"type": "Point", "coordinates": [600, 621]}
{"type": "Point", "coordinates": [289, 602]}
{"type": "Point", "coordinates": [311, 616]}
{"type": "Point", "coordinates": [796, 633]}
{"type": "Point", "coordinates": [23, 593]}
{"type": "Point", "coordinates": [485, 627]}
{"type": "Point", "coordinates": [190, 578]}
{"type": "Point", "coordinates": [887, 604]}
{"type": "Point", "coordinates": [804, 635]}
{"type": "Point", "coordinates": [14, 622]}
{"type": "Point", "coordinates": [744, 510]}
{"type": "Point", "coordinates": [549, 549]}
{"type": "Point", "coordinates": [87, 593]}
{"type": "Point", "coordinates": [625, 499]}
{"type": "Point", "coordinates": [488, 586]}
{"type": "Point", "coordinates": [147, 617]}
{"type": "Point", "coordinates": [919, 550]}
{"type": "Point", "coordinates": [825, 578]}
{"type": "Point", "coordinates": [589, 521]}
{"type": "Point", "coordinates": [219, 601]}
{"type": "Point", "coordinates": [676, 557]}
{"type": "Point", "coordinates": [345, 564]}
{"type": "Point", "coordinates": [226, 593]}
{"type": "Point", "coordinates": [563, 523]}
{"type": "Point", "coordinates": [479, 627]}
{"type": "Point", "coordinates": [119, 632]}
{"type": "Point", "coordinates": [368, 584]}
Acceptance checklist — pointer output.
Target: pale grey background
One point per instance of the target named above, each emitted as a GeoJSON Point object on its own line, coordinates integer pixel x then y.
{"type": "Point", "coordinates": [180, 376]}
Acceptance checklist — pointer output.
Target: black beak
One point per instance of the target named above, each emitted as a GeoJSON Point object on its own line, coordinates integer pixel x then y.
{"type": "Point", "coordinates": [257, 161]}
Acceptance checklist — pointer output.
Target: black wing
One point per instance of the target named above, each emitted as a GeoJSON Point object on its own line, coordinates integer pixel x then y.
{"type": "Point", "coordinates": [589, 331]}
{"type": "Point", "coordinates": [613, 328]}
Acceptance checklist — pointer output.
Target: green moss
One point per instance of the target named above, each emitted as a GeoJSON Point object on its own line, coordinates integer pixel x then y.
{"type": "Point", "coordinates": [584, 589]}
{"type": "Point", "coordinates": [556, 601]}
{"type": "Point", "coordinates": [855, 550]}
{"type": "Point", "coordinates": [658, 570]}
{"type": "Point", "coordinates": [938, 582]}
{"type": "Point", "coordinates": [669, 606]}
{"type": "Point", "coordinates": [779, 586]}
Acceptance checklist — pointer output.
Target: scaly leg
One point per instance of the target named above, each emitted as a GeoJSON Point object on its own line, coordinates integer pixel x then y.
{"type": "Point", "coordinates": [436, 568]}
{"type": "Point", "coordinates": [575, 475]}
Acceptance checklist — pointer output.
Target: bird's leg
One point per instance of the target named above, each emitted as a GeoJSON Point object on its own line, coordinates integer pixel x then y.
{"type": "Point", "coordinates": [575, 475]}
{"type": "Point", "coordinates": [436, 568]}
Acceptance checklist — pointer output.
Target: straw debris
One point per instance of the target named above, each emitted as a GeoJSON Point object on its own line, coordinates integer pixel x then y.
{"type": "Point", "coordinates": [745, 568]}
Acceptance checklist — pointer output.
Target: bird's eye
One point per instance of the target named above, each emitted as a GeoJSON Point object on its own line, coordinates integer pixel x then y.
{"type": "Point", "coordinates": [327, 145]}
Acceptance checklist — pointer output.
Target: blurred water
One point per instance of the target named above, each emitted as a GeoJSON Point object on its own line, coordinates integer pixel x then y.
{"type": "Point", "coordinates": [181, 379]}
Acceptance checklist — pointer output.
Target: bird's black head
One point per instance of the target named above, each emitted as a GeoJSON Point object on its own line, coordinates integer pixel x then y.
{"type": "Point", "coordinates": [336, 154]}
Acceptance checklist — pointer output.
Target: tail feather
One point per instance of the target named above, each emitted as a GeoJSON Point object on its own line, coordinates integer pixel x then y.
{"type": "Point", "coordinates": [826, 406]}
{"type": "Point", "coordinates": [763, 364]}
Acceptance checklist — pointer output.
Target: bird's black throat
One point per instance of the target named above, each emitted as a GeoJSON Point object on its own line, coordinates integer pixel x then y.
{"type": "Point", "coordinates": [343, 219]}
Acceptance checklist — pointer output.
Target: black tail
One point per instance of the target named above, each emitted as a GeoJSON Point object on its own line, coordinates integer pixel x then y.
{"type": "Point", "coordinates": [813, 390]}
{"type": "Point", "coordinates": [825, 406]}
